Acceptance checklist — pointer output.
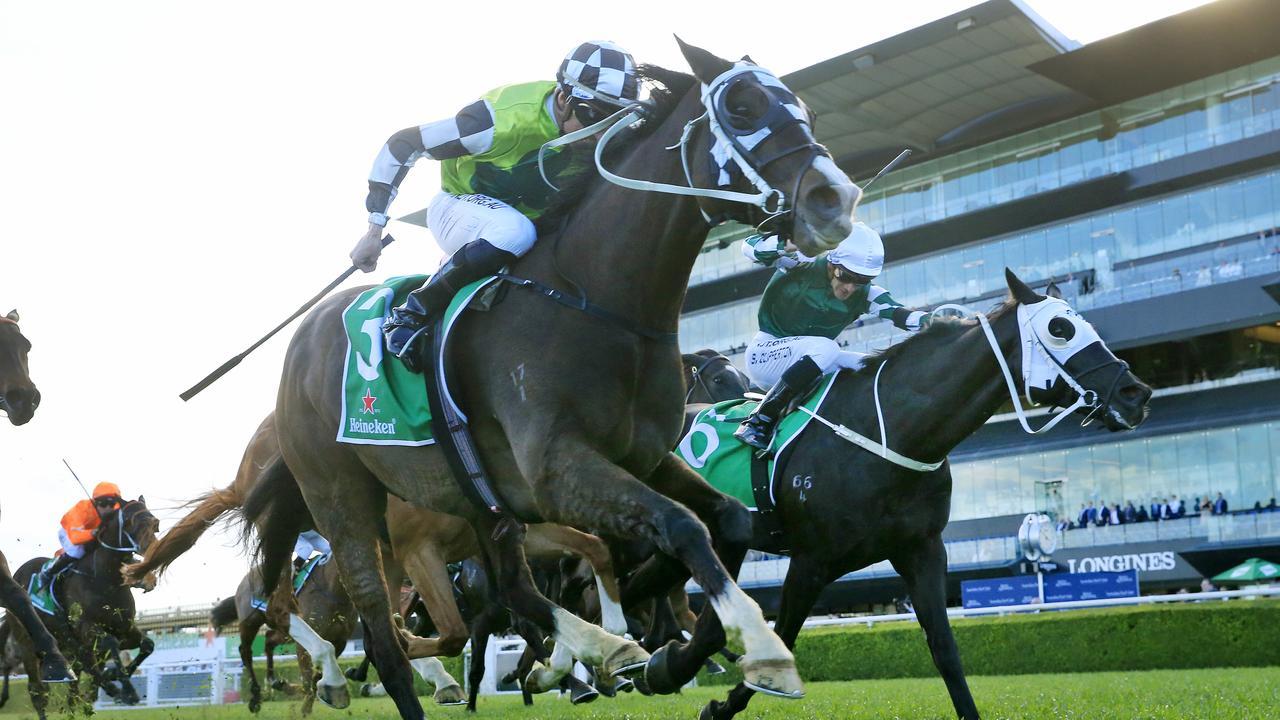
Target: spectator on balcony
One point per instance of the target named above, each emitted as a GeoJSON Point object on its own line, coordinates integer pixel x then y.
{"type": "Point", "coordinates": [1204, 276]}
{"type": "Point", "coordinates": [1142, 514]}
{"type": "Point", "coordinates": [1083, 519]}
{"type": "Point", "coordinates": [1166, 509]}
{"type": "Point", "coordinates": [1130, 512]}
{"type": "Point", "coordinates": [1179, 509]}
{"type": "Point", "coordinates": [1220, 505]}
{"type": "Point", "coordinates": [1271, 506]}
{"type": "Point", "coordinates": [1157, 509]}
{"type": "Point", "coordinates": [1257, 506]}
{"type": "Point", "coordinates": [1117, 515]}
{"type": "Point", "coordinates": [1104, 515]}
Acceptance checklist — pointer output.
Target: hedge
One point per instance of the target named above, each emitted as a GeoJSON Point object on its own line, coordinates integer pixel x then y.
{"type": "Point", "coordinates": [1172, 636]}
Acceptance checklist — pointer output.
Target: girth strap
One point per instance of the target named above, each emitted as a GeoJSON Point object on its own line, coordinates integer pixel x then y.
{"type": "Point", "coordinates": [766, 513]}
{"type": "Point", "coordinates": [454, 438]}
{"type": "Point", "coordinates": [584, 305]}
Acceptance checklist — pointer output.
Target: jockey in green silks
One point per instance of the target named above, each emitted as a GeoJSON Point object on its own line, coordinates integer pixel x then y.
{"type": "Point", "coordinates": [492, 187]}
{"type": "Point", "coordinates": [806, 305]}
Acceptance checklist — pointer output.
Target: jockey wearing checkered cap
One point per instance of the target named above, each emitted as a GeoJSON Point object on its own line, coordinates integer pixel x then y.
{"type": "Point", "coordinates": [806, 305]}
{"type": "Point", "coordinates": [492, 187]}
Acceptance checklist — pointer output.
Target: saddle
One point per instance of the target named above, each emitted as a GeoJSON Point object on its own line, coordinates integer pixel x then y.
{"type": "Point", "coordinates": [43, 597]}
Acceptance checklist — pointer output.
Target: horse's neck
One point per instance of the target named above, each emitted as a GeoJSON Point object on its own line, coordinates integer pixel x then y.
{"type": "Point", "coordinates": [956, 396]}
{"type": "Point", "coordinates": [633, 251]}
{"type": "Point", "coordinates": [107, 563]}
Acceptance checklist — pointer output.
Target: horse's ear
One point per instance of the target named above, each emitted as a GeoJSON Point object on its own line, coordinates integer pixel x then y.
{"type": "Point", "coordinates": [1053, 291]}
{"type": "Point", "coordinates": [13, 315]}
{"type": "Point", "coordinates": [706, 67]}
{"type": "Point", "coordinates": [142, 499]}
{"type": "Point", "coordinates": [1019, 289]}
{"type": "Point", "coordinates": [690, 358]}
{"type": "Point", "coordinates": [747, 58]}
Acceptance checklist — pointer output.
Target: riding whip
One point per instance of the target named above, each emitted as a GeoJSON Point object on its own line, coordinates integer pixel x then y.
{"type": "Point", "coordinates": [77, 477]}
{"type": "Point", "coordinates": [884, 170]}
{"type": "Point", "coordinates": [226, 366]}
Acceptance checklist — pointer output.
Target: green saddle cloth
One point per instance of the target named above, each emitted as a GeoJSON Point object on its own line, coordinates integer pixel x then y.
{"type": "Point", "coordinates": [301, 577]}
{"type": "Point", "coordinates": [42, 598]}
{"type": "Point", "coordinates": [382, 402]}
{"type": "Point", "coordinates": [722, 460]}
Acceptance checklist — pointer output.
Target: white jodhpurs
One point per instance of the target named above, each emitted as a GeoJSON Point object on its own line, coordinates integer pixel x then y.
{"type": "Point", "coordinates": [768, 357]}
{"type": "Point", "coordinates": [456, 220]}
{"type": "Point", "coordinates": [68, 547]}
{"type": "Point", "coordinates": [310, 542]}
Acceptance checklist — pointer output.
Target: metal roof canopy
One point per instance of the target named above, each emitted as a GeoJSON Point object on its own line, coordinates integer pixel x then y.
{"type": "Point", "coordinates": [1171, 51]}
{"type": "Point", "coordinates": [953, 81]}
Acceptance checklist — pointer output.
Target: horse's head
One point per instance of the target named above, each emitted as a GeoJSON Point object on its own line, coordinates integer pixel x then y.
{"type": "Point", "coordinates": [19, 397]}
{"type": "Point", "coordinates": [130, 529]}
{"type": "Point", "coordinates": [710, 377]}
{"type": "Point", "coordinates": [761, 135]}
{"type": "Point", "coordinates": [1064, 360]}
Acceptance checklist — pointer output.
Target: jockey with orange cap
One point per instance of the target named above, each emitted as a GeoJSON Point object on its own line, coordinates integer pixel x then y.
{"type": "Point", "coordinates": [80, 527]}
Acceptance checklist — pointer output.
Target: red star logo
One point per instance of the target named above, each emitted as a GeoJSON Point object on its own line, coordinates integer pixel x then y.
{"type": "Point", "coordinates": [369, 400]}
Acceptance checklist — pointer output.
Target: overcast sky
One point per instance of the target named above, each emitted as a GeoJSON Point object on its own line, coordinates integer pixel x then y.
{"type": "Point", "coordinates": [177, 177]}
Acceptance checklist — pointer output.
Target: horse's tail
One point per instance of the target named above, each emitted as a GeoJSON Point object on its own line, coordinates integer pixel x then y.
{"type": "Point", "coordinates": [275, 508]}
{"type": "Point", "coordinates": [224, 613]}
{"type": "Point", "coordinates": [208, 509]}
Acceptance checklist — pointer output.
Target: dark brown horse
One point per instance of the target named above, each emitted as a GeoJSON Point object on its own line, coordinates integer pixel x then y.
{"type": "Point", "coordinates": [97, 618]}
{"type": "Point", "coordinates": [575, 415]}
{"type": "Point", "coordinates": [19, 399]}
{"type": "Point", "coordinates": [847, 508]}
{"type": "Point", "coordinates": [322, 603]}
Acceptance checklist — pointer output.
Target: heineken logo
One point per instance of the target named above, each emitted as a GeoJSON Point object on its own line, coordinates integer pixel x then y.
{"type": "Point", "coordinates": [371, 427]}
{"type": "Point", "coordinates": [369, 399]}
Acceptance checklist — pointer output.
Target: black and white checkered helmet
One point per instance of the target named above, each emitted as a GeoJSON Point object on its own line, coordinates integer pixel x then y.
{"type": "Point", "coordinates": [600, 70]}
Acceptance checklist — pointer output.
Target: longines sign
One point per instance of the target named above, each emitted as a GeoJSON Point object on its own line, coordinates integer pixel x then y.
{"type": "Point", "coordinates": [1142, 562]}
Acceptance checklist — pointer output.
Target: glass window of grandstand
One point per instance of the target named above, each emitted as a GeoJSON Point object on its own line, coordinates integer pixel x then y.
{"type": "Point", "coordinates": [1242, 463]}
{"type": "Point", "coordinates": [1221, 109]}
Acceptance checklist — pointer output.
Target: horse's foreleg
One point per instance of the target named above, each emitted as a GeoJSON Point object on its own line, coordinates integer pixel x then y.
{"type": "Point", "coordinates": [145, 645]}
{"type": "Point", "coordinates": [249, 631]}
{"type": "Point", "coordinates": [426, 567]}
{"type": "Point", "coordinates": [504, 550]}
{"type": "Point", "coordinates": [767, 663]}
{"type": "Point", "coordinates": [925, 571]}
{"type": "Point", "coordinates": [35, 686]}
{"type": "Point", "coordinates": [447, 690]}
{"type": "Point", "coordinates": [805, 581]}
{"type": "Point", "coordinates": [53, 666]}
{"type": "Point", "coordinates": [307, 678]}
{"type": "Point", "coordinates": [550, 539]}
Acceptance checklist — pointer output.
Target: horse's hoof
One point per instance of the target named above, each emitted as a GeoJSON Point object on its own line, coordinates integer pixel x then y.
{"type": "Point", "coordinates": [713, 667]}
{"type": "Point", "coordinates": [709, 710]}
{"type": "Point", "coordinates": [541, 679]}
{"type": "Point", "coordinates": [278, 684]}
{"type": "Point", "coordinates": [255, 704]}
{"type": "Point", "coordinates": [624, 685]}
{"type": "Point", "coordinates": [353, 673]}
{"type": "Point", "coordinates": [450, 695]}
{"type": "Point", "coordinates": [777, 677]}
{"type": "Point", "coordinates": [627, 660]}
{"type": "Point", "coordinates": [657, 673]}
{"type": "Point", "coordinates": [335, 696]}
{"type": "Point", "coordinates": [53, 669]}
{"type": "Point", "coordinates": [584, 697]}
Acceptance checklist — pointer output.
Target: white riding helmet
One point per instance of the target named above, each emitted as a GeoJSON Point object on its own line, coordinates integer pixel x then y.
{"type": "Point", "coordinates": [861, 253]}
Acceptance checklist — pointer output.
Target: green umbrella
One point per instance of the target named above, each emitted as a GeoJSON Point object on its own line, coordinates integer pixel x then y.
{"type": "Point", "coordinates": [1251, 570]}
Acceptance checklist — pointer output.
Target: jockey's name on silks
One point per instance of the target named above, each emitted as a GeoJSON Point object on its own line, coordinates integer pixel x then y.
{"type": "Point", "coordinates": [383, 403]}
{"type": "Point", "coordinates": [723, 461]}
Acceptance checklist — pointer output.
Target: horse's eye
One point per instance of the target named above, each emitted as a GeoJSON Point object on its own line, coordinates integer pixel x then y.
{"type": "Point", "coordinates": [1062, 328]}
{"type": "Point", "coordinates": [746, 104]}
{"type": "Point", "coordinates": [718, 381]}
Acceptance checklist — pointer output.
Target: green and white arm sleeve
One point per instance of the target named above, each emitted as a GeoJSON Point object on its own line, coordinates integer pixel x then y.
{"type": "Point", "coordinates": [883, 305]}
{"type": "Point", "coordinates": [771, 251]}
{"type": "Point", "coordinates": [470, 132]}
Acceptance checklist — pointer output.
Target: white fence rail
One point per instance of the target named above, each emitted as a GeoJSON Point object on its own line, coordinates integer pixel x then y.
{"type": "Point", "coordinates": [960, 612]}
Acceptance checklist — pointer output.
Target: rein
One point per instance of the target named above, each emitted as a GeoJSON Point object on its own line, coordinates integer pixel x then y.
{"type": "Point", "coordinates": [1084, 398]}
{"type": "Point", "coordinates": [698, 380]}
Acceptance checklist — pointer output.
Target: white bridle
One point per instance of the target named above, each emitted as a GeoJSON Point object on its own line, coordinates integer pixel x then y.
{"type": "Point", "coordinates": [1044, 359]}
{"type": "Point", "coordinates": [769, 199]}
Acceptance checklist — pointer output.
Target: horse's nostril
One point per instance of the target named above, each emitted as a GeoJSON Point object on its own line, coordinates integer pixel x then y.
{"type": "Point", "coordinates": [823, 201]}
{"type": "Point", "coordinates": [1135, 393]}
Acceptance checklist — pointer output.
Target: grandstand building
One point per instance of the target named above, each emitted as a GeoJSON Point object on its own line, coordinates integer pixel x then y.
{"type": "Point", "coordinates": [1142, 174]}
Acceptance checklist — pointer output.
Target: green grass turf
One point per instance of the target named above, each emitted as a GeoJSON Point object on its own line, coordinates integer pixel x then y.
{"type": "Point", "coordinates": [1233, 694]}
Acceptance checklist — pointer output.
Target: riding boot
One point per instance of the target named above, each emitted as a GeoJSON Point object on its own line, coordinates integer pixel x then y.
{"type": "Point", "coordinates": [471, 262]}
{"type": "Point", "coordinates": [61, 563]}
{"type": "Point", "coordinates": [757, 429]}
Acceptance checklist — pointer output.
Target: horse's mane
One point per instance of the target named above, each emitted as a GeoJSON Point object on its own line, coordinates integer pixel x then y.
{"type": "Point", "coordinates": [941, 332]}
{"type": "Point", "coordinates": [666, 89]}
